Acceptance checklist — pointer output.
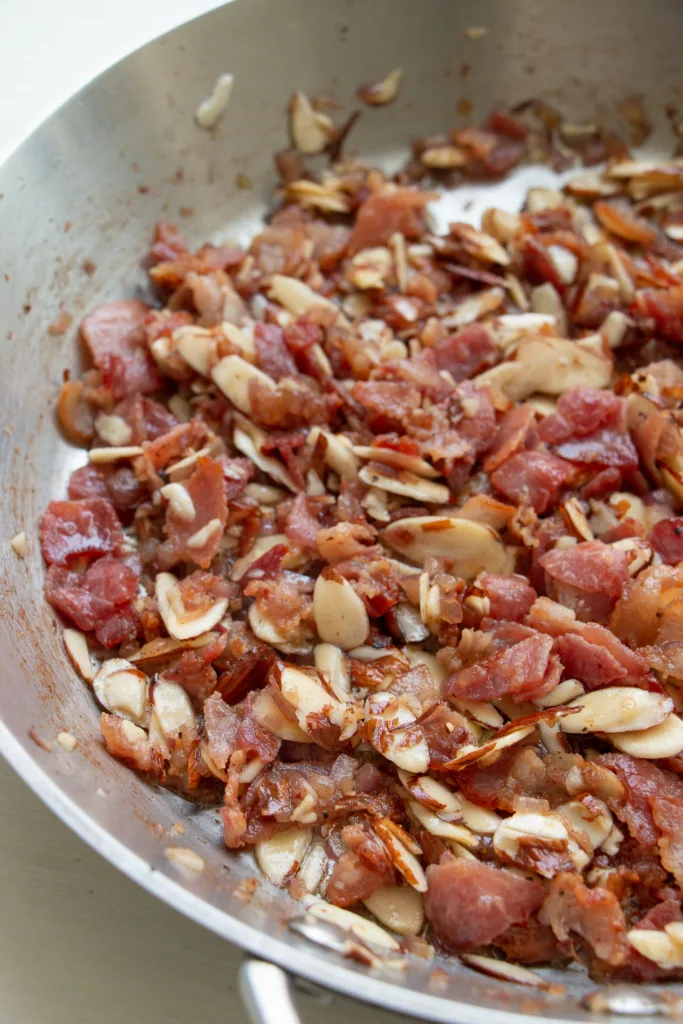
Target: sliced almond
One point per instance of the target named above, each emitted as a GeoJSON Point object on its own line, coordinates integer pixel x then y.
{"type": "Point", "coordinates": [501, 224]}
{"type": "Point", "coordinates": [474, 548]}
{"type": "Point", "coordinates": [399, 460]}
{"type": "Point", "coordinates": [370, 268]}
{"type": "Point", "coordinates": [416, 656]}
{"type": "Point", "coordinates": [113, 429]}
{"type": "Point", "coordinates": [212, 530]}
{"type": "Point", "coordinates": [593, 819]}
{"type": "Point", "coordinates": [305, 692]}
{"type": "Point", "coordinates": [339, 453]}
{"type": "Point", "coordinates": [504, 970]}
{"type": "Point", "coordinates": [475, 307]}
{"type": "Point", "coordinates": [449, 805]}
{"type": "Point", "coordinates": [186, 859]}
{"type": "Point", "coordinates": [297, 297]}
{"type": "Point", "coordinates": [183, 468]}
{"type": "Point", "coordinates": [67, 741]}
{"type": "Point", "coordinates": [539, 829]}
{"type": "Point", "coordinates": [268, 714]}
{"type": "Point", "coordinates": [248, 439]}
{"type": "Point", "coordinates": [178, 498]}
{"type": "Point", "coordinates": [615, 327]}
{"type": "Point", "coordinates": [480, 711]}
{"type": "Point", "coordinates": [122, 689]}
{"type": "Point", "coordinates": [315, 195]}
{"type": "Point", "coordinates": [664, 740]}
{"type": "Point", "coordinates": [76, 647]}
{"type": "Point", "coordinates": [617, 709]}
{"type": "Point", "coordinates": [410, 624]}
{"type": "Point", "coordinates": [197, 346]}
{"type": "Point", "coordinates": [310, 133]}
{"type": "Point", "coordinates": [545, 300]}
{"type": "Point", "coordinates": [334, 665]}
{"type": "Point", "coordinates": [438, 827]}
{"type": "Point", "coordinates": [379, 94]}
{"type": "Point", "coordinates": [181, 623]}
{"type": "Point", "coordinates": [565, 263]}
{"type": "Point", "coordinates": [400, 908]}
{"type": "Point", "coordinates": [296, 642]}
{"type": "Point", "coordinates": [443, 158]}
{"type": "Point", "coordinates": [260, 546]}
{"type": "Point", "coordinates": [211, 109]}
{"type": "Point", "coordinates": [354, 924]}
{"type": "Point", "coordinates": [407, 485]}
{"type": "Point", "coordinates": [481, 246]}
{"type": "Point", "coordinates": [103, 455]}
{"type": "Point", "coordinates": [656, 946]}
{"type": "Point", "coordinates": [509, 735]}
{"type": "Point", "coordinates": [339, 613]}
{"type": "Point", "coordinates": [314, 868]}
{"type": "Point", "coordinates": [18, 544]}
{"type": "Point", "coordinates": [404, 861]}
{"type": "Point", "coordinates": [233, 376]}
{"type": "Point", "coordinates": [280, 857]}
{"type": "Point", "coordinates": [565, 691]}
{"type": "Point", "coordinates": [401, 740]}
{"type": "Point", "coordinates": [173, 709]}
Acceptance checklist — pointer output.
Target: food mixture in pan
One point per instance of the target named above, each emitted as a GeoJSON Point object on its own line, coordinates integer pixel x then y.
{"type": "Point", "coordinates": [378, 545]}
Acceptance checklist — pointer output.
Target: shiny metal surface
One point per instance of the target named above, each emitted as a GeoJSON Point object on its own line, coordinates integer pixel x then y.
{"type": "Point", "coordinates": [79, 199]}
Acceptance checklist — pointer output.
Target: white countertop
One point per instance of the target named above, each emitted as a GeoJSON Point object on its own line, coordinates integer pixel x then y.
{"type": "Point", "coordinates": [79, 942]}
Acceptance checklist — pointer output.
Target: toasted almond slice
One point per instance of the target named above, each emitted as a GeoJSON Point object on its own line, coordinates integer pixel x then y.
{"type": "Point", "coordinates": [314, 868]}
{"type": "Point", "coordinates": [501, 224]}
{"type": "Point", "coordinates": [339, 453]}
{"type": "Point", "coordinates": [510, 734]}
{"type": "Point", "coordinates": [180, 623]}
{"type": "Point", "coordinates": [173, 709]}
{"type": "Point", "coordinates": [213, 529]}
{"type": "Point", "coordinates": [370, 268]}
{"type": "Point", "coordinates": [480, 711]}
{"type": "Point", "coordinates": [183, 468]}
{"type": "Point", "coordinates": [405, 861]}
{"type": "Point", "coordinates": [334, 665]}
{"type": "Point", "coordinates": [402, 741]}
{"type": "Point", "coordinates": [268, 714]}
{"type": "Point", "coordinates": [475, 307]}
{"type": "Point", "coordinates": [675, 932]}
{"type": "Point", "coordinates": [554, 365]}
{"type": "Point", "coordinates": [113, 429]}
{"type": "Point", "coordinates": [407, 485]}
{"type": "Point", "coordinates": [594, 820]}
{"type": "Point", "coordinates": [297, 297]}
{"type": "Point", "coordinates": [480, 245]}
{"type": "Point", "coordinates": [410, 624]}
{"type": "Point", "coordinates": [67, 741]}
{"type": "Point", "coordinates": [504, 970]}
{"type": "Point", "coordinates": [379, 94]}
{"type": "Point", "coordinates": [664, 740]}
{"type": "Point", "coordinates": [122, 689]}
{"type": "Point", "coordinates": [616, 709]}
{"type": "Point", "coordinates": [399, 460]}
{"type": "Point", "coordinates": [248, 441]}
{"type": "Point", "coordinates": [474, 548]}
{"type": "Point", "coordinates": [265, 629]}
{"type": "Point", "coordinates": [103, 455]}
{"type": "Point", "coordinates": [565, 691]}
{"type": "Point", "coordinates": [339, 613]}
{"type": "Point", "coordinates": [233, 376]}
{"type": "Point", "coordinates": [280, 857]}
{"type": "Point", "coordinates": [591, 186]}
{"type": "Point", "coordinates": [18, 544]}
{"type": "Point", "coordinates": [76, 647]}
{"type": "Point", "coordinates": [438, 827]}
{"type": "Point", "coordinates": [164, 648]}
{"type": "Point", "coordinates": [366, 931]}
{"type": "Point", "coordinates": [565, 263]}
{"type": "Point", "coordinates": [305, 692]}
{"type": "Point", "coordinates": [186, 859]}
{"type": "Point", "coordinates": [310, 134]}
{"type": "Point", "coordinates": [400, 908]}
{"type": "Point", "coordinates": [524, 827]}
{"type": "Point", "coordinates": [656, 946]}
{"type": "Point", "coordinates": [416, 656]}
{"type": "Point", "coordinates": [615, 327]}
{"type": "Point", "coordinates": [314, 195]}
{"type": "Point", "coordinates": [546, 301]}
{"type": "Point", "coordinates": [178, 497]}
{"type": "Point", "coordinates": [197, 346]}
{"type": "Point", "coordinates": [260, 546]}
{"type": "Point", "coordinates": [212, 108]}
{"type": "Point", "coordinates": [449, 805]}
{"type": "Point", "coordinates": [441, 158]}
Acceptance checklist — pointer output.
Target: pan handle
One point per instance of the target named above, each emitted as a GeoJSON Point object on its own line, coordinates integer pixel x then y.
{"type": "Point", "coordinates": [267, 993]}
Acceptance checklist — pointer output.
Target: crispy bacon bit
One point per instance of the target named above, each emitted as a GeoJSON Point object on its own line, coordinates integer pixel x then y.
{"type": "Point", "coordinates": [469, 904]}
{"type": "Point", "coordinates": [113, 333]}
{"type": "Point", "coordinates": [206, 490]}
{"type": "Point", "coordinates": [515, 670]}
{"type": "Point", "coordinates": [532, 478]}
{"type": "Point", "coordinates": [588, 578]}
{"type": "Point", "coordinates": [72, 529]}
{"type": "Point", "coordinates": [510, 597]}
{"type": "Point", "coordinates": [382, 216]}
{"type": "Point", "coordinates": [570, 908]}
{"type": "Point", "coordinates": [666, 537]}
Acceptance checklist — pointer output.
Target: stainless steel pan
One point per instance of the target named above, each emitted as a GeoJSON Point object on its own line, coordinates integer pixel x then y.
{"type": "Point", "coordinates": [79, 199]}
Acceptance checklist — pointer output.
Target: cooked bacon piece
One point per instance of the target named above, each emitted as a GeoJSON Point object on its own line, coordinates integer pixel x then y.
{"type": "Point", "coordinates": [469, 904]}
{"type": "Point", "coordinates": [532, 478]}
{"type": "Point", "coordinates": [282, 601]}
{"type": "Point", "coordinates": [570, 908]}
{"type": "Point", "coordinates": [588, 578]}
{"type": "Point", "coordinates": [512, 433]}
{"type": "Point", "coordinates": [592, 664]}
{"type": "Point", "coordinates": [146, 418]}
{"type": "Point", "coordinates": [581, 412]}
{"type": "Point", "coordinates": [88, 482]}
{"type": "Point", "coordinates": [531, 943]}
{"type": "Point", "coordinates": [639, 967]}
{"type": "Point", "coordinates": [604, 448]}
{"type": "Point", "coordinates": [510, 597]}
{"type": "Point", "coordinates": [248, 662]}
{"type": "Point", "coordinates": [389, 404]}
{"type": "Point", "coordinates": [516, 670]}
{"type": "Point", "coordinates": [643, 782]}
{"type": "Point", "coordinates": [272, 353]}
{"type": "Point", "coordinates": [114, 335]}
{"type": "Point", "coordinates": [281, 248]}
{"type": "Point", "coordinates": [206, 488]}
{"type": "Point", "coordinates": [361, 870]}
{"type": "Point", "coordinates": [286, 407]}
{"type": "Point", "coordinates": [119, 485]}
{"type": "Point", "coordinates": [72, 529]}
{"type": "Point", "coordinates": [92, 601]}
{"type": "Point", "coordinates": [466, 353]}
{"type": "Point", "coordinates": [666, 538]}
{"type": "Point", "coordinates": [667, 811]}
{"type": "Point", "coordinates": [638, 613]}
{"type": "Point", "coordinates": [137, 752]}
{"type": "Point", "coordinates": [194, 670]}
{"type": "Point", "coordinates": [346, 541]}
{"type": "Point", "coordinates": [664, 306]}
{"type": "Point", "coordinates": [302, 525]}
{"type": "Point", "coordinates": [445, 731]}
{"type": "Point", "coordinates": [382, 215]}
{"type": "Point", "coordinates": [175, 444]}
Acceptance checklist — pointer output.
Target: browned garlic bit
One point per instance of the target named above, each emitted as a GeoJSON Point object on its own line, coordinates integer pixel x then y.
{"type": "Point", "coordinates": [378, 546]}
